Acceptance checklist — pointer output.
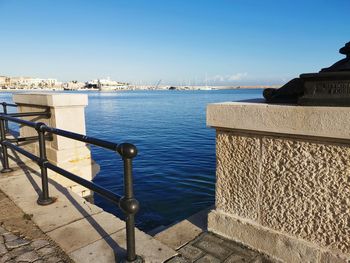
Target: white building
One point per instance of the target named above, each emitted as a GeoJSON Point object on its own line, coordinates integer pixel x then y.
{"type": "Point", "coordinates": [28, 82]}
{"type": "Point", "coordinates": [107, 84]}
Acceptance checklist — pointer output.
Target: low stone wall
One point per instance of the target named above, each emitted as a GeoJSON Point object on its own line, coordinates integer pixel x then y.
{"type": "Point", "coordinates": [67, 113]}
{"type": "Point", "coordinates": [281, 189]}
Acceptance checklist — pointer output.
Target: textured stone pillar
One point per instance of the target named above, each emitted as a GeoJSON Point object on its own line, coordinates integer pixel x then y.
{"type": "Point", "coordinates": [67, 113]}
{"type": "Point", "coordinates": [283, 179]}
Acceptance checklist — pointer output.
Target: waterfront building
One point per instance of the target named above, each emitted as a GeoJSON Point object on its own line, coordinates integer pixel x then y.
{"type": "Point", "coordinates": [27, 82]}
{"type": "Point", "coordinates": [73, 85]}
{"type": "Point", "coordinates": [3, 80]}
{"type": "Point", "coordinates": [107, 84]}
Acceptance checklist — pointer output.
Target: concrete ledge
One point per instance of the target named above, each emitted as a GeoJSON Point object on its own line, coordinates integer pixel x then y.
{"type": "Point", "coordinates": [178, 235]}
{"type": "Point", "coordinates": [283, 119]}
{"type": "Point", "coordinates": [51, 99]}
{"type": "Point", "coordinates": [276, 244]}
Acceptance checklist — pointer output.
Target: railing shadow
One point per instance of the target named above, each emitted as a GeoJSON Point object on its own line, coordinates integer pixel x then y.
{"type": "Point", "coordinates": [119, 252]}
{"type": "Point", "coordinates": [127, 151]}
{"type": "Point", "coordinates": [200, 219]}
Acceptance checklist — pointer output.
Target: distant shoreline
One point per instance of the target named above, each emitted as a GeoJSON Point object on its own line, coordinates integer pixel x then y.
{"type": "Point", "coordinates": [145, 87]}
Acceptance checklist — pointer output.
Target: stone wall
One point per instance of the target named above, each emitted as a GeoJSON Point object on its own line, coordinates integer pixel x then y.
{"type": "Point", "coordinates": [286, 195]}
{"type": "Point", "coordinates": [67, 113]}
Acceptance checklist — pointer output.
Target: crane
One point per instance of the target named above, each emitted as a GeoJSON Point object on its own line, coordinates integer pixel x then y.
{"type": "Point", "coordinates": [158, 83]}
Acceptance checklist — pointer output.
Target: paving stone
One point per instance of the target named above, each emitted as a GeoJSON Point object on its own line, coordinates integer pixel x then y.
{"type": "Point", "coordinates": [53, 259]}
{"type": "Point", "coordinates": [178, 259]}
{"type": "Point", "coordinates": [5, 258]}
{"type": "Point", "coordinates": [208, 246]}
{"type": "Point", "coordinates": [211, 238]}
{"type": "Point", "coordinates": [21, 250]}
{"type": "Point", "coordinates": [2, 230]}
{"type": "Point", "coordinates": [179, 234]}
{"type": "Point", "coordinates": [208, 259]}
{"type": "Point", "coordinates": [37, 244]}
{"type": "Point", "coordinates": [213, 248]}
{"type": "Point", "coordinates": [106, 249]}
{"type": "Point", "coordinates": [190, 252]}
{"type": "Point", "coordinates": [9, 237]}
{"type": "Point", "coordinates": [86, 231]}
{"type": "Point", "coordinates": [15, 248]}
{"type": "Point", "coordinates": [16, 243]}
{"type": "Point", "coordinates": [46, 251]}
{"type": "Point", "coordinates": [28, 257]}
{"type": "Point", "coordinates": [261, 259]}
{"type": "Point", "coordinates": [16, 232]}
{"type": "Point", "coordinates": [237, 259]}
{"type": "Point", "coordinates": [3, 249]}
{"type": "Point", "coordinates": [68, 208]}
{"type": "Point", "coordinates": [238, 249]}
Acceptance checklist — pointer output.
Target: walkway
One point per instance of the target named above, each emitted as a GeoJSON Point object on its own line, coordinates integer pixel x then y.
{"type": "Point", "coordinates": [82, 230]}
{"type": "Point", "coordinates": [85, 233]}
{"type": "Point", "coordinates": [21, 240]}
{"type": "Point", "coordinates": [194, 244]}
{"type": "Point", "coordinates": [209, 248]}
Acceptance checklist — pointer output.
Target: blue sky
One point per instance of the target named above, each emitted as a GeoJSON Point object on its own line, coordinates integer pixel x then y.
{"type": "Point", "coordinates": [180, 41]}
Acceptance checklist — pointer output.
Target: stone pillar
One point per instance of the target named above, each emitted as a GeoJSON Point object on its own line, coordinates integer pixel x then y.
{"type": "Point", "coordinates": [67, 113]}
{"type": "Point", "coordinates": [283, 179]}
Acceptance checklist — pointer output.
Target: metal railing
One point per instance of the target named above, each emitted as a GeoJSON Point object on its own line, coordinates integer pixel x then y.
{"type": "Point", "coordinates": [127, 203]}
{"type": "Point", "coordinates": [4, 109]}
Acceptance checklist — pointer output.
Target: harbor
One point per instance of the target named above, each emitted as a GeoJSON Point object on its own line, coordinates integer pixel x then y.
{"type": "Point", "coordinates": [174, 131]}
{"type": "Point", "coordinates": [103, 85]}
{"type": "Point", "coordinates": [244, 230]}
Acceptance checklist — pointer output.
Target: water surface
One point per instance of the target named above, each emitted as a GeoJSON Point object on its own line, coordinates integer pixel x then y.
{"type": "Point", "coordinates": [175, 169]}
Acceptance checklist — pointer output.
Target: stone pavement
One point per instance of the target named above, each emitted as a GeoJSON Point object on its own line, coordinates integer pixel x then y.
{"type": "Point", "coordinates": [21, 240]}
{"type": "Point", "coordinates": [194, 244]}
{"type": "Point", "coordinates": [210, 248]}
{"type": "Point", "coordinates": [82, 230]}
{"type": "Point", "coordinates": [13, 248]}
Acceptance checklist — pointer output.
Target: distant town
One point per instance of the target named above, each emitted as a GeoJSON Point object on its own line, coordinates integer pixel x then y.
{"type": "Point", "coordinates": [29, 83]}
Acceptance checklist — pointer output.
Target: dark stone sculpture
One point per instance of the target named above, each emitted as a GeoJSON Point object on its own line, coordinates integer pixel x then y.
{"type": "Point", "coordinates": [329, 87]}
{"type": "Point", "coordinates": [341, 65]}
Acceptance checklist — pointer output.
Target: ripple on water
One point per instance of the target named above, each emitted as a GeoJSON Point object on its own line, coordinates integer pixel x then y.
{"type": "Point", "coordinates": [175, 168]}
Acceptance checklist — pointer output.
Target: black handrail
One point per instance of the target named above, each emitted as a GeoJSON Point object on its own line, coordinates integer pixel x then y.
{"type": "Point", "coordinates": [27, 139]}
{"type": "Point", "coordinates": [83, 138]}
{"type": "Point", "coordinates": [4, 107]}
{"type": "Point", "coordinates": [29, 114]}
{"type": "Point", "coordinates": [128, 204]}
{"type": "Point", "coordinates": [45, 113]}
{"type": "Point", "coordinates": [88, 184]}
{"type": "Point", "coordinates": [5, 104]}
{"type": "Point", "coordinates": [19, 121]}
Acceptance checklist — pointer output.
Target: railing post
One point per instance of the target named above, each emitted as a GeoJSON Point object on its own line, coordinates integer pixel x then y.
{"type": "Point", "coordinates": [6, 167]}
{"type": "Point", "coordinates": [128, 203]}
{"type": "Point", "coordinates": [44, 198]}
{"type": "Point", "coordinates": [4, 106]}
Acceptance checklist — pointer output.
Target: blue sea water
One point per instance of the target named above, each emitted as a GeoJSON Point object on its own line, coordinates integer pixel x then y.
{"type": "Point", "coordinates": [174, 172]}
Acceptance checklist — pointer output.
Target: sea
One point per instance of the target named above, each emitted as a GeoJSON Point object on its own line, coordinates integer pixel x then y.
{"type": "Point", "coordinates": [174, 171]}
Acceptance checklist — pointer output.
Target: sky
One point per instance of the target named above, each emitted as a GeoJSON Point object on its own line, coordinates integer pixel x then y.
{"type": "Point", "coordinates": [184, 42]}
